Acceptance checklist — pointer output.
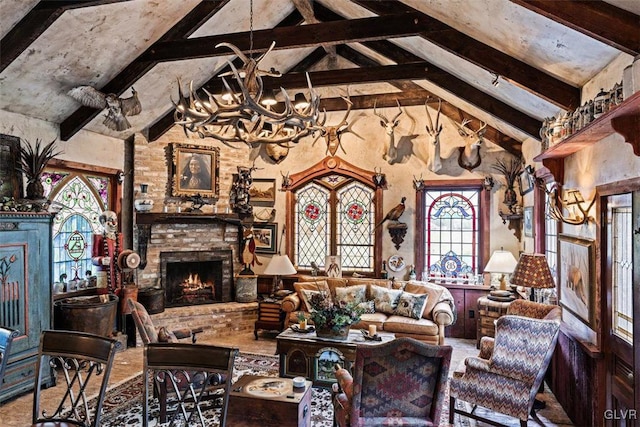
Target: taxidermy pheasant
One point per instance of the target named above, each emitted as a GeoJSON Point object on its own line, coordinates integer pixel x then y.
{"type": "Point", "coordinates": [117, 108]}
{"type": "Point", "coordinates": [395, 213]}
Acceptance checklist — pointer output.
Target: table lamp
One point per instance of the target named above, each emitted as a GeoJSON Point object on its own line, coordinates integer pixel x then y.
{"type": "Point", "coordinates": [280, 265]}
{"type": "Point", "coordinates": [533, 272]}
{"type": "Point", "coordinates": [501, 262]}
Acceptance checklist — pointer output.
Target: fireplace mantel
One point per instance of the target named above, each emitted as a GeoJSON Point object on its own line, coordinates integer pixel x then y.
{"type": "Point", "coordinates": [146, 220]}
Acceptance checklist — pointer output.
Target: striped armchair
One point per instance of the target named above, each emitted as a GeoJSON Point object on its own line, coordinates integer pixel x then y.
{"type": "Point", "coordinates": [507, 375]}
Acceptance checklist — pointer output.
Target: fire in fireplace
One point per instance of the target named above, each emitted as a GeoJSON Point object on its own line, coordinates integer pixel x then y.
{"type": "Point", "coordinates": [197, 277]}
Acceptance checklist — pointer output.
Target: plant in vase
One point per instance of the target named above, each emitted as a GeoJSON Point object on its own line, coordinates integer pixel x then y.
{"type": "Point", "coordinates": [333, 319]}
{"type": "Point", "coordinates": [33, 160]}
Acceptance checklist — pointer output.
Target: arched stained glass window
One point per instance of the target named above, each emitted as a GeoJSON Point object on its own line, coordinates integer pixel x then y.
{"type": "Point", "coordinates": [451, 227]}
{"type": "Point", "coordinates": [340, 207]}
{"type": "Point", "coordinates": [82, 197]}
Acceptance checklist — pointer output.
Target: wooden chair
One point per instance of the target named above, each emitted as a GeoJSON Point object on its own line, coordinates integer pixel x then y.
{"type": "Point", "coordinates": [150, 334]}
{"type": "Point", "coordinates": [191, 377]}
{"type": "Point", "coordinates": [401, 382]}
{"type": "Point", "coordinates": [6, 338]}
{"type": "Point", "coordinates": [81, 359]}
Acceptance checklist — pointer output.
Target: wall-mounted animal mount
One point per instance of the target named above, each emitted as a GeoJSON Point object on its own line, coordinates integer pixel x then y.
{"type": "Point", "coordinates": [469, 155]}
{"type": "Point", "coordinates": [117, 108]}
{"type": "Point", "coordinates": [277, 152]}
{"type": "Point", "coordinates": [390, 149]}
{"type": "Point", "coordinates": [434, 163]}
{"type": "Point", "coordinates": [332, 134]}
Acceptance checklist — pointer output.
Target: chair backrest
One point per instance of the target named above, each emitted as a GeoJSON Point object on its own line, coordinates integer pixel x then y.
{"type": "Point", "coordinates": [144, 324]}
{"type": "Point", "coordinates": [6, 338]}
{"type": "Point", "coordinates": [82, 360]}
{"type": "Point", "coordinates": [523, 348]}
{"type": "Point", "coordinates": [535, 310]}
{"type": "Point", "coordinates": [404, 379]}
{"type": "Point", "coordinates": [203, 367]}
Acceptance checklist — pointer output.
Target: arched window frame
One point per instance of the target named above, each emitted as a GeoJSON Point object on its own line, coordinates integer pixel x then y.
{"type": "Point", "coordinates": [333, 166]}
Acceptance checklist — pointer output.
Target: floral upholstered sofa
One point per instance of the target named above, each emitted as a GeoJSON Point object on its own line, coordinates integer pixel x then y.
{"type": "Point", "coordinates": [415, 309]}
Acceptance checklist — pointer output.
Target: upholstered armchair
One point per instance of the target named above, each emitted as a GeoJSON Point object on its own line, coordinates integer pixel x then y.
{"type": "Point", "coordinates": [535, 310]}
{"type": "Point", "coordinates": [150, 334]}
{"type": "Point", "coordinates": [401, 382]}
{"type": "Point", "coordinates": [509, 370]}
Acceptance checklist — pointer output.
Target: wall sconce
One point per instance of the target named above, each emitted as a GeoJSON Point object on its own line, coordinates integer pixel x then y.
{"type": "Point", "coordinates": [572, 202]}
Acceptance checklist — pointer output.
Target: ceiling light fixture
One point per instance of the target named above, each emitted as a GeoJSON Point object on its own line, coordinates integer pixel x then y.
{"type": "Point", "coordinates": [247, 115]}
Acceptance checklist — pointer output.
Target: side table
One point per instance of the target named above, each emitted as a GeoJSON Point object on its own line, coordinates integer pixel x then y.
{"type": "Point", "coordinates": [488, 312]}
{"type": "Point", "coordinates": [270, 316]}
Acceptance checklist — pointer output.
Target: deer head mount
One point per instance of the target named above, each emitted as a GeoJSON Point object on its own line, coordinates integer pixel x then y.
{"type": "Point", "coordinates": [434, 163]}
{"type": "Point", "coordinates": [390, 150]}
{"type": "Point", "coordinates": [332, 134]}
{"type": "Point", "coordinates": [469, 155]}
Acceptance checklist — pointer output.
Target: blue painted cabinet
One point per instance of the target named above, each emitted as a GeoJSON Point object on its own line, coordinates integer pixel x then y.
{"type": "Point", "coordinates": [25, 295]}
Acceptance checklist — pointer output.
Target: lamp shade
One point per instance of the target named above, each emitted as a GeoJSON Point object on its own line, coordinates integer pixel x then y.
{"type": "Point", "coordinates": [532, 271]}
{"type": "Point", "coordinates": [280, 265]}
{"type": "Point", "coordinates": [501, 262]}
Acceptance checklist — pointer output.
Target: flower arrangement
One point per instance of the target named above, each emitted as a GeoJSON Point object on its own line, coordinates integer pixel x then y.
{"type": "Point", "coordinates": [334, 316]}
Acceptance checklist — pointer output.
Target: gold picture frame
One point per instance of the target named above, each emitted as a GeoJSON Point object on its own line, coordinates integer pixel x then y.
{"type": "Point", "coordinates": [195, 170]}
{"type": "Point", "coordinates": [576, 275]}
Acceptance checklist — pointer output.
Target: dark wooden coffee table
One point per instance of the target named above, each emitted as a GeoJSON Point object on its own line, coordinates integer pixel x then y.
{"type": "Point", "coordinates": [306, 355]}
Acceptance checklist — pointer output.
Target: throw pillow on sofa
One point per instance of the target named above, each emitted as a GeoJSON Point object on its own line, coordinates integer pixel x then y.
{"type": "Point", "coordinates": [355, 295]}
{"type": "Point", "coordinates": [318, 286]}
{"type": "Point", "coordinates": [411, 305]}
{"type": "Point", "coordinates": [434, 292]}
{"type": "Point", "coordinates": [385, 300]}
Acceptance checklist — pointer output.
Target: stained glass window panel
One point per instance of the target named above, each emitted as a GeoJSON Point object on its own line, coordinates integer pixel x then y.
{"type": "Point", "coordinates": [356, 217]}
{"type": "Point", "coordinates": [620, 248]}
{"type": "Point", "coordinates": [312, 235]}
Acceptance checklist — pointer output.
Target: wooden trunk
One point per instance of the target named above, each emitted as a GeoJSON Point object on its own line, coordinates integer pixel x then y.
{"type": "Point", "coordinates": [248, 410]}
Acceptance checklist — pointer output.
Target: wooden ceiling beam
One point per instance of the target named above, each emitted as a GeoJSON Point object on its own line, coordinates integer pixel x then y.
{"type": "Point", "coordinates": [493, 60]}
{"type": "Point", "coordinates": [136, 69]}
{"type": "Point", "coordinates": [34, 23]}
{"type": "Point", "coordinates": [311, 35]}
{"type": "Point", "coordinates": [602, 21]}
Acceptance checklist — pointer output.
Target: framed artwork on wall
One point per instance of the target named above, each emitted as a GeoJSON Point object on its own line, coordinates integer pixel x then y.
{"type": "Point", "coordinates": [263, 191]}
{"type": "Point", "coordinates": [10, 178]}
{"type": "Point", "coordinates": [266, 237]}
{"type": "Point", "coordinates": [195, 170]}
{"type": "Point", "coordinates": [527, 182]}
{"type": "Point", "coordinates": [528, 221]}
{"type": "Point", "coordinates": [333, 266]}
{"type": "Point", "coordinates": [576, 275]}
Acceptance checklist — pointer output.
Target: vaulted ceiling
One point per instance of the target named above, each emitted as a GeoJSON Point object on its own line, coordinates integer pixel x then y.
{"type": "Point", "coordinates": [509, 63]}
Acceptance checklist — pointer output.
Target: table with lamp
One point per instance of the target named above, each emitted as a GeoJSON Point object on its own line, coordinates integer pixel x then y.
{"type": "Point", "coordinates": [270, 314]}
{"type": "Point", "coordinates": [533, 272]}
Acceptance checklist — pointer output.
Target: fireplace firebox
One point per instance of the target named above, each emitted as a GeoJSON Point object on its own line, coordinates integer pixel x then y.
{"type": "Point", "coordinates": [197, 277]}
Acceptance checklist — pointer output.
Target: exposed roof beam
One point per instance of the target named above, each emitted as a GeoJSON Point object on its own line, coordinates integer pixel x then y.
{"type": "Point", "coordinates": [34, 23]}
{"type": "Point", "coordinates": [493, 60]}
{"type": "Point", "coordinates": [132, 72]}
{"type": "Point", "coordinates": [607, 23]}
{"type": "Point", "coordinates": [329, 33]}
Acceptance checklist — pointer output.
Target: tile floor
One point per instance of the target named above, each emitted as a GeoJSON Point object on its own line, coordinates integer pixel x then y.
{"type": "Point", "coordinates": [17, 412]}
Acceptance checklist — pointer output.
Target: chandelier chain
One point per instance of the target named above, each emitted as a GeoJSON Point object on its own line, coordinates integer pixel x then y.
{"type": "Point", "coordinates": [251, 28]}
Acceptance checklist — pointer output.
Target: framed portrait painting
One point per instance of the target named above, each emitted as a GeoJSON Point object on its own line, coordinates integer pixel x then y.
{"type": "Point", "coordinates": [262, 191]}
{"type": "Point", "coordinates": [576, 275]}
{"type": "Point", "coordinates": [528, 221]}
{"type": "Point", "coordinates": [10, 178]}
{"type": "Point", "coordinates": [195, 170]}
{"type": "Point", "coordinates": [266, 237]}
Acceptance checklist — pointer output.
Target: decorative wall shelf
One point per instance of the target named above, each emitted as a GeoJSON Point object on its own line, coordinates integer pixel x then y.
{"type": "Point", "coordinates": [624, 119]}
{"type": "Point", "coordinates": [515, 221]}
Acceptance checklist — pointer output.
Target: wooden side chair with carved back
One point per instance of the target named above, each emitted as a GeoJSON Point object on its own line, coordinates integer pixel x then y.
{"type": "Point", "coordinates": [6, 338]}
{"type": "Point", "coordinates": [191, 379]}
{"type": "Point", "coordinates": [82, 360]}
{"type": "Point", "coordinates": [150, 334]}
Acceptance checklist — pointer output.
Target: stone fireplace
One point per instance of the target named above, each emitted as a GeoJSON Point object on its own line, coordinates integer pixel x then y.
{"type": "Point", "coordinates": [196, 277]}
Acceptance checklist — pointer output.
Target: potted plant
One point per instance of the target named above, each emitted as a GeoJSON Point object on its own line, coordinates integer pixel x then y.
{"type": "Point", "coordinates": [33, 160]}
{"type": "Point", "coordinates": [333, 320]}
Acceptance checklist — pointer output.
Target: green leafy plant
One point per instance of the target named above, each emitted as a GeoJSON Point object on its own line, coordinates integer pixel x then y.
{"type": "Point", "coordinates": [335, 316]}
{"type": "Point", "coordinates": [33, 160]}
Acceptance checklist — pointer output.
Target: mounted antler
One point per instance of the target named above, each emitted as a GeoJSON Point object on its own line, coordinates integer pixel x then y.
{"type": "Point", "coordinates": [434, 164]}
{"type": "Point", "coordinates": [469, 155]}
{"type": "Point", "coordinates": [332, 134]}
{"type": "Point", "coordinates": [390, 152]}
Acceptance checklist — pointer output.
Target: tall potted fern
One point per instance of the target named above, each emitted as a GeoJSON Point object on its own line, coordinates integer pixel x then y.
{"type": "Point", "coordinates": [33, 160]}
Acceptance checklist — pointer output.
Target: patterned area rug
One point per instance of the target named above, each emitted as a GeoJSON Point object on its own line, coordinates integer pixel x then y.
{"type": "Point", "coordinates": [123, 402]}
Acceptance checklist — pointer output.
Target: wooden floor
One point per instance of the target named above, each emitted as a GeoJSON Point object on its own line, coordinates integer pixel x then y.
{"type": "Point", "coordinates": [17, 412]}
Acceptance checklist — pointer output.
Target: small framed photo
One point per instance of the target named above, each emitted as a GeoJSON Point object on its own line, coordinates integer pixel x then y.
{"type": "Point", "coordinates": [527, 182]}
{"type": "Point", "coordinates": [266, 237]}
{"type": "Point", "coordinates": [195, 170]}
{"type": "Point", "coordinates": [576, 275]}
{"type": "Point", "coordinates": [333, 266]}
{"type": "Point", "coordinates": [10, 178]}
{"type": "Point", "coordinates": [262, 191]}
{"type": "Point", "coordinates": [528, 221]}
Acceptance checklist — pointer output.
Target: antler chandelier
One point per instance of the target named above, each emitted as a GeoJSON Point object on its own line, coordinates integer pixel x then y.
{"type": "Point", "coordinates": [246, 115]}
